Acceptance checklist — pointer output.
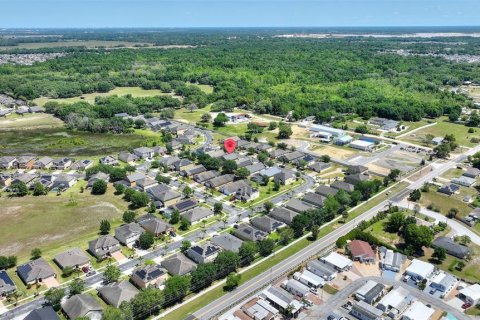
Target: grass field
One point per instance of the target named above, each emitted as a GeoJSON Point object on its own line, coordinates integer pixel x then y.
{"type": "Point", "coordinates": [378, 229]}
{"type": "Point", "coordinates": [55, 223]}
{"type": "Point", "coordinates": [90, 97]}
{"type": "Point", "coordinates": [191, 117]}
{"type": "Point", "coordinates": [444, 202]}
{"type": "Point", "coordinates": [442, 128]}
{"type": "Point", "coordinates": [452, 173]}
{"type": "Point", "coordinates": [62, 142]}
{"type": "Point", "coordinates": [30, 122]}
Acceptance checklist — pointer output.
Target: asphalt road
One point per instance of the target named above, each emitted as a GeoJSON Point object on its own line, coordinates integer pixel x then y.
{"type": "Point", "coordinates": [335, 302]}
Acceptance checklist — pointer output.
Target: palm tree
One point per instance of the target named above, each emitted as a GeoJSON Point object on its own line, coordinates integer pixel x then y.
{"type": "Point", "coordinates": [225, 220]}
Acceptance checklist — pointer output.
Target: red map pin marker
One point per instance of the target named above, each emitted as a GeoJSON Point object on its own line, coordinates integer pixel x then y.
{"type": "Point", "coordinates": [229, 145]}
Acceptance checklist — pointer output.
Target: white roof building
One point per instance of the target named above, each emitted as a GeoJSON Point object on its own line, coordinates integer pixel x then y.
{"type": "Point", "coordinates": [418, 311]}
{"type": "Point", "coordinates": [362, 145]}
{"type": "Point", "coordinates": [419, 269]}
{"type": "Point", "coordinates": [338, 261]}
{"type": "Point", "coordinates": [395, 299]}
{"type": "Point", "coordinates": [471, 294]}
{"type": "Point", "coordinates": [309, 278]}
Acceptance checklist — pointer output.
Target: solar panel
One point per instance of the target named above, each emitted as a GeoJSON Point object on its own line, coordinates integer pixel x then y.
{"type": "Point", "coordinates": [4, 276]}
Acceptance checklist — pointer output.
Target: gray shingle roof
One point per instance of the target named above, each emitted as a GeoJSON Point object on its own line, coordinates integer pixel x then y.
{"type": "Point", "coordinates": [37, 269]}
{"type": "Point", "coordinates": [72, 258]}
{"type": "Point", "coordinates": [179, 265]}
{"type": "Point", "coordinates": [227, 242]}
{"type": "Point", "coordinates": [116, 293]}
{"type": "Point", "coordinates": [79, 305]}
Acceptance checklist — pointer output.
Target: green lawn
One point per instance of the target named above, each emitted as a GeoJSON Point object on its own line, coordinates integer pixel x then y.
{"type": "Point", "coordinates": [378, 229]}
{"type": "Point", "coordinates": [329, 289]}
{"type": "Point", "coordinates": [191, 116]}
{"type": "Point", "coordinates": [266, 192]}
{"type": "Point", "coordinates": [90, 97]}
{"type": "Point", "coordinates": [442, 128]}
{"type": "Point", "coordinates": [410, 126]}
{"type": "Point", "coordinates": [55, 223]}
{"type": "Point", "coordinates": [232, 130]}
{"type": "Point", "coordinates": [204, 87]}
{"type": "Point", "coordinates": [30, 122]}
{"type": "Point", "coordinates": [444, 202]}
{"type": "Point", "coordinates": [62, 142]}
{"type": "Point", "coordinates": [452, 173]}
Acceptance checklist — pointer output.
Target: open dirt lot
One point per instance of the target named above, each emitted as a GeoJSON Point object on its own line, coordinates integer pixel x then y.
{"type": "Point", "coordinates": [334, 152]}
{"type": "Point", "coordinates": [29, 122]}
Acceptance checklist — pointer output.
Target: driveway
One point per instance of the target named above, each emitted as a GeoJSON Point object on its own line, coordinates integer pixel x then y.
{"type": "Point", "coordinates": [50, 282]}
{"type": "Point", "coordinates": [118, 256]}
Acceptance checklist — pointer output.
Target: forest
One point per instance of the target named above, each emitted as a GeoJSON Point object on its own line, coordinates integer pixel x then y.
{"type": "Point", "coordinates": [311, 77]}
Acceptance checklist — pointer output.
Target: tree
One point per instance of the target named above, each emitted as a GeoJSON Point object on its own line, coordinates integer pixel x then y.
{"type": "Point", "coordinates": [145, 303]}
{"type": "Point", "coordinates": [67, 271]}
{"type": "Point", "coordinates": [233, 280]}
{"type": "Point", "coordinates": [217, 208]}
{"type": "Point", "coordinates": [417, 236]}
{"type": "Point", "coordinates": [76, 286]}
{"type": "Point", "coordinates": [286, 235]}
{"type": "Point", "coordinates": [227, 261]}
{"type": "Point", "coordinates": [315, 230]}
{"type": "Point", "coordinates": [146, 240]}
{"type": "Point", "coordinates": [184, 224]}
{"type": "Point", "coordinates": [394, 174]}
{"type": "Point", "coordinates": [203, 276]}
{"type": "Point", "coordinates": [119, 189]}
{"type": "Point", "coordinates": [465, 240]}
{"type": "Point", "coordinates": [276, 185]}
{"type": "Point", "coordinates": [104, 226]}
{"type": "Point", "coordinates": [35, 253]}
{"type": "Point", "coordinates": [175, 216]}
{"type": "Point", "coordinates": [442, 151]}
{"type": "Point", "coordinates": [122, 313]}
{"type": "Point", "coordinates": [54, 296]}
{"type": "Point", "coordinates": [415, 195]}
{"type": "Point", "coordinates": [395, 222]}
{"type": "Point", "coordinates": [229, 166]}
{"type": "Point", "coordinates": [187, 191]}
{"type": "Point", "coordinates": [284, 130]}
{"type": "Point", "coordinates": [111, 274]}
{"type": "Point", "coordinates": [185, 245]}
{"type": "Point", "coordinates": [452, 213]}
{"type": "Point", "coordinates": [206, 117]}
{"type": "Point", "coordinates": [140, 199]}
{"type": "Point", "coordinates": [265, 247]}
{"type": "Point", "coordinates": [39, 189]}
{"type": "Point", "coordinates": [247, 251]}
{"type": "Point", "coordinates": [363, 129]}
{"type": "Point", "coordinates": [220, 120]}
{"type": "Point", "coordinates": [440, 254]}
{"type": "Point", "coordinates": [15, 295]}
{"type": "Point", "coordinates": [242, 173]}
{"type": "Point", "coordinates": [272, 125]}
{"type": "Point", "coordinates": [129, 216]}
{"type": "Point", "coordinates": [99, 187]}
{"type": "Point", "coordinates": [268, 206]}
{"type": "Point", "coordinates": [19, 188]}
{"type": "Point", "coordinates": [282, 145]}
{"type": "Point", "coordinates": [8, 262]}
{"type": "Point", "coordinates": [176, 287]}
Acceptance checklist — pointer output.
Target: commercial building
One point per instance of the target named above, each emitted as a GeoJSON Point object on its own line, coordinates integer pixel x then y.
{"type": "Point", "coordinates": [310, 279]}
{"type": "Point", "coordinates": [362, 145]}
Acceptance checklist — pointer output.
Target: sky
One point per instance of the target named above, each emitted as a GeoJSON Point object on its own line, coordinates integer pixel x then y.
{"type": "Point", "coordinates": [236, 13]}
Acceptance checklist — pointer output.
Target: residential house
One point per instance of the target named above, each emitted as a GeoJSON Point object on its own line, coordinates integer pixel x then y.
{"type": "Point", "coordinates": [166, 196]}
{"type": "Point", "coordinates": [154, 225]}
{"type": "Point", "coordinates": [146, 183]}
{"type": "Point", "coordinates": [419, 269]}
{"type": "Point", "coordinates": [310, 279]}
{"type": "Point", "coordinates": [5, 180]}
{"type": "Point", "coordinates": [132, 178]}
{"type": "Point", "coordinates": [470, 294]}
{"type": "Point", "coordinates": [103, 247]}
{"type": "Point", "coordinates": [182, 164]}
{"type": "Point", "coordinates": [44, 313]}
{"type": "Point", "coordinates": [314, 199]}
{"type": "Point", "coordinates": [216, 153]}
{"type": "Point", "coordinates": [128, 234]}
{"type": "Point", "coordinates": [116, 293]}
{"type": "Point", "coordinates": [342, 185]}
{"type": "Point", "coordinates": [452, 248]}
{"type": "Point", "coordinates": [204, 252]}
{"type": "Point", "coordinates": [179, 265]}
{"type": "Point", "coordinates": [370, 292]}
{"type": "Point", "coordinates": [296, 288]}
{"type": "Point", "coordinates": [361, 251]}
{"type": "Point", "coordinates": [74, 258]}
{"type": "Point", "coordinates": [63, 182]}
{"type": "Point", "coordinates": [8, 162]}
{"type": "Point", "coordinates": [149, 276]}
{"type": "Point", "coordinates": [270, 172]}
{"type": "Point", "coordinates": [319, 166]}
{"type": "Point", "coordinates": [395, 302]}
{"type": "Point", "coordinates": [127, 157]}
{"type": "Point", "coordinates": [7, 285]}
{"type": "Point", "coordinates": [82, 165]}
{"type": "Point", "coordinates": [248, 233]}
{"type": "Point", "coordinates": [185, 205]}
{"type": "Point", "coordinates": [227, 242]}
{"type": "Point", "coordinates": [229, 156]}
{"type": "Point", "coordinates": [98, 176]}
{"type": "Point", "coordinates": [418, 311]}
{"type": "Point", "coordinates": [232, 187]}
{"type": "Point", "coordinates": [26, 178]}
{"type": "Point", "coordinates": [322, 270]}
{"type": "Point", "coordinates": [443, 282]}
{"type": "Point", "coordinates": [363, 311]}
{"type": "Point", "coordinates": [464, 181]}
{"type": "Point", "coordinates": [277, 153]}
{"type": "Point", "coordinates": [267, 224]}
{"type": "Point", "coordinates": [243, 162]}
{"type": "Point", "coordinates": [246, 193]}
{"type": "Point", "coordinates": [159, 150]}
{"type": "Point", "coordinates": [25, 162]}
{"type": "Point", "coordinates": [390, 260]}
{"type": "Point", "coordinates": [43, 163]}
{"type": "Point", "coordinates": [254, 168]}
{"type": "Point", "coordinates": [357, 169]}
{"type": "Point", "coordinates": [61, 164]}
{"type": "Point", "coordinates": [326, 191]}
{"type": "Point", "coordinates": [175, 144]}
{"type": "Point", "coordinates": [285, 177]}
{"type": "Point", "coordinates": [338, 261]}
{"type": "Point", "coordinates": [190, 171]}
{"type": "Point", "coordinates": [197, 214]}
{"type": "Point", "coordinates": [449, 189]}
{"type": "Point", "coordinates": [35, 271]}
{"type": "Point", "coordinates": [82, 305]}
{"type": "Point", "coordinates": [283, 214]}
{"type": "Point", "coordinates": [356, 178]}
{"type": "Point", "coordinates": [298, 206]}
{"type": "Point", "coordinates": [256, 308]}
{"type": "Point", "coordinates": [282, 300]}
{"type": "Point", "coordinates": [219, 181]}
{"type": "Point", "coordinates": [109, 160]}
{"type": "Point", "coordinates": [291, 156]}
{"type": "Point", "coordinates": [205, 176]}
{"type": "Point", "coordinates": [472, 172]}
{"type": "Point", "coordinates": [144, 153]}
